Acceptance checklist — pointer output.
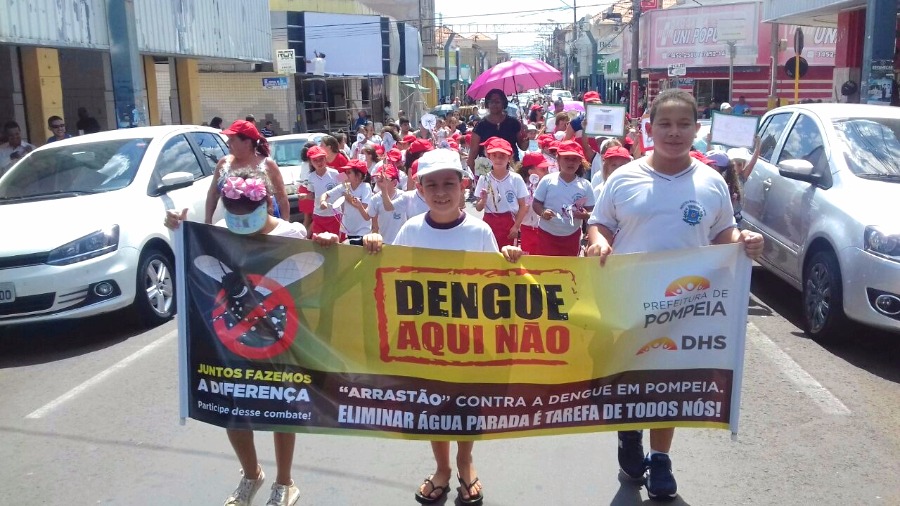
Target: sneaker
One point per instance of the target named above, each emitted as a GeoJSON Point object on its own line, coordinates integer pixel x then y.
{"type": "Point", "coordinates": [660, 480]}
{"type": "Point", "coordinates": [284, 495]}
{"type": "Point", "coordinates": [631, 454]}
{"type": "Point", "coordinates": [246, 489]}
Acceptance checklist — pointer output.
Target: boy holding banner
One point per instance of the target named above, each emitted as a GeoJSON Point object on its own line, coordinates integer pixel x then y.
{"type": "Point", "coordinates": [665, 201]}
{"type": "Point", "coordinates": [445, 226]}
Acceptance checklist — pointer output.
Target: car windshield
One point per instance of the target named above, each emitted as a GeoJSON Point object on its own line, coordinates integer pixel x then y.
{"type": "Point", "coordinates": [88, 167]}
{"type": "Point", "coordinates": [287, 152]}
{"type": "Point", "coordinates": [871, 146]}
{"type": "Point", "coordinates": [562, 94]}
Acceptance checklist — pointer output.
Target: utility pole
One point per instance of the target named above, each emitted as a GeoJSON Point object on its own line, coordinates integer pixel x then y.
{"type": "Point", "coordinates": [447, 63]}
{"type": "Point", "coordinates": [574, 44]}
{"type": "Point", "coordinates": [635, 89]}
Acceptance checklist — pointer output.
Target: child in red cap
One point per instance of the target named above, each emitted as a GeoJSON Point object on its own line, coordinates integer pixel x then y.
{"type": "Point", "coordinates": [322, 179]}
{"type": "Point", "coordinates": [501, 193]}
{"type": "Point", "coordinates": [563, 200]}
{"type": "Point", "coordinates": [386, 223]}
{"type": "Point", "coordinates": [354, 216]}
{"type": "Point", "coordinates": [534, 168]}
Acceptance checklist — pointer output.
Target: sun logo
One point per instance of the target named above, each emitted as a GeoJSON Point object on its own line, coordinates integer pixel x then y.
{"type": "Point", "coordinates": [663, 343]}
{"type": "Point", "coordinates": [687, 284]}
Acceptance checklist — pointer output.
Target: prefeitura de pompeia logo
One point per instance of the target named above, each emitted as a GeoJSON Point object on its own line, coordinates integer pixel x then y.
{"type": "Point", "coordinates": [686, 296]}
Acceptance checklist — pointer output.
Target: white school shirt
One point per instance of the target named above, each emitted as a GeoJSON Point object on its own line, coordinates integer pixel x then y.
{"type": "Point", "coordinates": [597, 183]}
{"type": "Point", "coordinates": [531, 218]}
{"type": "Point", "coordinates": [559, 196]}
{"type": "Point", "coordinates": [319, 186]}
{"type": "Point", "coordinates": [389, 222]}
{"type": "Point", "coordinates": [410, 203]}
{"type": "Point", "coordinates": [353, 221]}
{"type": "Point", "coordinates": [596, 167]}
{"type": "Point", "coordinates": [467, 234]}
{"type": "Point", "coordinates": [654, 212]}
{"type": "Point", "coordinates": [503, 194]}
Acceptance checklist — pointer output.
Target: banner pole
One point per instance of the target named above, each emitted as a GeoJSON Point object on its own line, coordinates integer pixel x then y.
{"type": "Point", "coordinates": [181, 319]}
{"type": "Point", "coordinates": [743, 271]}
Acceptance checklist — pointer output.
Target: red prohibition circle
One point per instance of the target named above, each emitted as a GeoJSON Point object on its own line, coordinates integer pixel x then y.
{"type": "Point", "coordinates": [279, 296]}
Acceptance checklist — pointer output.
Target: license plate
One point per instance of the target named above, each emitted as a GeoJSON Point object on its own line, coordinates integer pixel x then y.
{"type": "Point", "coordinates": [7, 293]}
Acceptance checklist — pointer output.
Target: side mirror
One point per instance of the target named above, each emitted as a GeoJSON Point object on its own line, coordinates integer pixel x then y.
{"type": "Point", "coordinates": [174, 181]}
{"type": "Point", "coordinates": [801, 170]}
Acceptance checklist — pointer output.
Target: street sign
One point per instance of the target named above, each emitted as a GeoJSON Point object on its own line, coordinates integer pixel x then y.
{"type": "Point", "coordinates": [275, 83]}
{"type": "Point", "coordinates": [792, 63]}
{"type": "Point", "coordinates": [677, 69]}
{"type": "Point", "coordinates": [798, 41]}
{"type": "Point", "coordinates": [285, 61]}
{"type": "Point", "coordinates": [732, 29]}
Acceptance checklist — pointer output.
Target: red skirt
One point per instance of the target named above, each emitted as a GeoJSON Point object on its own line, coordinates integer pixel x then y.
{"type": "Point", "coordinates": [558, 245]}
{"type": "Point", "coordinates": [528, 239]}
{"type": "Point", "coordinates": [500, 224]}
{"type": "Point", "coordinates": [326, 224]}
{"type": "Point", "coordinates": [305, 206]}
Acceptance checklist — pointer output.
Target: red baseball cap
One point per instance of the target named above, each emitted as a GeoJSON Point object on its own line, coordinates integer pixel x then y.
{"type": "Point", "coordinates": [701, 157]}
{"type": "Point", "coordinates": [536, 107]}
{"type": "Point", "coordinates": [591, 96]}
{"type": "Point", "coordinates": [394, 155]}
{"type": "Point", "coordinates": [409, 138]}
{"type": "Point", "coordinates": [553, 145]}
{"type": "Point", "coordinates": [544, 140]}
{"type": "Point", "coordinates": [456, 135]}
{"type": "Point", "coordinates": [388, 171]}
{"type": "Point", "coordinates": [245, 128]}
{"type": "Point", "coordinates": [535, 159]}
{"type": "Point", "coordinates": [454, 145]}
{"type": "Point", "coordinates": [355, 164]}
{"type": "Point", "coordinates": [616, 152]}
{"type": "Point", "coordinates": [379, 150]}
{"type": "Point", "coordinates": [467, 138]}
{"type": "Point", "coordinates": [420, 146]}
{"type": "Point", "coordinates": [496, 144]}
{"type": "Point", "coordinates": [413, 168]}
{"type": "Point", "coordinates": [570, 148]}
{"type": "Point", "coordinates": [315, 152]}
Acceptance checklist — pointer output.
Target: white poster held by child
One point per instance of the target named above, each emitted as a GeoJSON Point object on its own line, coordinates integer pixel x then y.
{"type": "Point", "coordinates": [429, 121]}
{"type": "Point", "coordinates": [733, 131]}
{"type": "Point", "coordinates": [604, 120]}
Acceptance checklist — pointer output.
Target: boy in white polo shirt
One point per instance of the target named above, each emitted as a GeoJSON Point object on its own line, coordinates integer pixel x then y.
{"type": "Point", "coordinates": [665, 201]}
{"type": "Point", "coordinates": [445, 226]}
{"type": "Point", "coordinates": [502, 193]}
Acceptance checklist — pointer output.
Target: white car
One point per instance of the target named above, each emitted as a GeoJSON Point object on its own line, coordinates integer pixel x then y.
{"type": "Point", "coordinates": [565, 95]}
{"type": "Point", "coordinates": [286, 153]}
{"type": "Point", "coordinates": [83, 221]}
{"type": "Point", "coordinates": [825, 195]}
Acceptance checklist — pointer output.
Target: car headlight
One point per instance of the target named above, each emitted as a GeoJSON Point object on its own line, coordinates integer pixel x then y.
{"type": "Point", "coordinates": [881, 243]}
{"type": "Point", "coordinates": [89, 246]}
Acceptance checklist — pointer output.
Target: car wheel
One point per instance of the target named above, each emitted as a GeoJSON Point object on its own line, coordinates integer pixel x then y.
{"type": "Point", "coordinates": [823, 306]}
{"type": "Point", "coordinates": [154, 301]}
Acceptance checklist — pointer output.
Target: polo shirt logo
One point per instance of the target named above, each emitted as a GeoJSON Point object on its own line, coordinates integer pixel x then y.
{"type": "Point", "coordinates": [692, 212]}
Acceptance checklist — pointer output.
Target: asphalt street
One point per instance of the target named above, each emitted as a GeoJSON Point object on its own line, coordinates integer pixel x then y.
{"type": "Point", "coordinates": [89, 416]}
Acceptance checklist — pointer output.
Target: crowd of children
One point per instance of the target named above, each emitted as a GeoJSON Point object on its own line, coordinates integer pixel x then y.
{"type": "Point", "coordinates": [569, 195]}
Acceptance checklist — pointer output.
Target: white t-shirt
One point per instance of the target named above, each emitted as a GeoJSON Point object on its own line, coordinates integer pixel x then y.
{"type": "Point", "coordinates": [389, 222]}
{"type": "Point", "coordinates": [353, 221]}
{"type": "Point", "coordinates": [654, 212]}
{"type": "Point", "coordinates": [503, 194]}
{"type": "Point", "coordinates": [596, 167]}
{"type": "Point", "coordinates": [410, 203]}
{"type": "Point", "coordinates": [6, 152]}
{"type": "Point", "coordinates": [597, 183]}
{"type": "Point", "coordinates": [319, 185]}
{"type": "Point", "coordinates": [531, 218]}
{"type": "Point", "coordinates": [467, 234]}
{"type": "Point", "coordinates": [561, 198]}
{"type": "Point", "coordinates": [282, 229]}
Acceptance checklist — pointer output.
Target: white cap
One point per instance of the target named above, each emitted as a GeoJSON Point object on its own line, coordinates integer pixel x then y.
{"type": "Point", "coordinates": [437, 160]}
{"type": "Point", "coordinates": [725, 105]}
{"type": "Point", "coordinates": [739, 154]}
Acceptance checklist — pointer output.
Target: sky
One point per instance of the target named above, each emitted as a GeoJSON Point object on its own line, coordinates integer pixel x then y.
{"type": "Point", "coordinates": [460, 13]}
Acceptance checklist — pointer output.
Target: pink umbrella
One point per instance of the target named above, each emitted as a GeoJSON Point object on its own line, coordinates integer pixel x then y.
{"type": "Point", "coordinates": [573, 106]}
{"type": "Point", "coordinates": [514, 76]}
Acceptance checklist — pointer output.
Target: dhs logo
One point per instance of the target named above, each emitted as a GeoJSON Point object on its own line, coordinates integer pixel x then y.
{"type": "Point", "coordinates": [688, 343]}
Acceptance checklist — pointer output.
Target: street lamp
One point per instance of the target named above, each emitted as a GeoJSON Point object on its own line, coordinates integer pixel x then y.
{"type": "Point", "coordinates": [458, 83]}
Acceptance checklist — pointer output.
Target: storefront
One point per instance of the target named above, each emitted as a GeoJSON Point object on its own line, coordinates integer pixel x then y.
{"type": "Point", "coordinates": [700, 39]}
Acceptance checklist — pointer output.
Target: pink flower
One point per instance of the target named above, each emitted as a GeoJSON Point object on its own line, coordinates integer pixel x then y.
{"type": "Point", "coordinates": [255, 189]}
{"type": "Point", "coordinates": [233, 187]}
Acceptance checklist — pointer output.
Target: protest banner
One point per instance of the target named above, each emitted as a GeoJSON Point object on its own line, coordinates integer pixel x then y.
{"type": "Point", "coordinates": [281, 334]}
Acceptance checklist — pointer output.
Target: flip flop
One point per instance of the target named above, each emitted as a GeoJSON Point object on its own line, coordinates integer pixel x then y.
{"type": "Point", "coordinates": [427, 498]}
{"type": "Point", "coordinates": [473, 500]}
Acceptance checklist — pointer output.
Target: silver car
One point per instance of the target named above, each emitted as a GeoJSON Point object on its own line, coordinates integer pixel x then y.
{"type": "Point", "coordinates": [825, 193]}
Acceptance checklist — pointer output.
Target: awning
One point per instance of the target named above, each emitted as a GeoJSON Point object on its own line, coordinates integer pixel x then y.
{"type": "Point", "coordinates": [415, 86]}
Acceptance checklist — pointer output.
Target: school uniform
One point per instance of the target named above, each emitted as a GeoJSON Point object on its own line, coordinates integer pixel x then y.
{"type": "Point", "coordinates": [324, 220]}
{"type": "Point", "coordinates": [502, 203]}
{"type": "Point", "coordinates": [561, 235]}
